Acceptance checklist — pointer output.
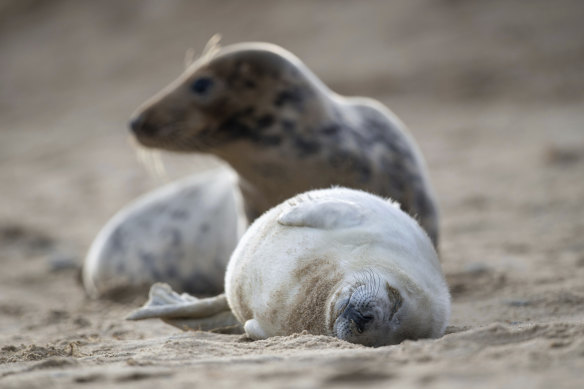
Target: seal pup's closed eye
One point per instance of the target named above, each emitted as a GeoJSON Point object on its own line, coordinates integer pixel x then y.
{"type": "Point", "coordinates": [337, 262]}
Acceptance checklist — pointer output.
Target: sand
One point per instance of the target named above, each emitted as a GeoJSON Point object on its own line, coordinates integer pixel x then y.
{"type": "Point", "coordinates": [492, 91]}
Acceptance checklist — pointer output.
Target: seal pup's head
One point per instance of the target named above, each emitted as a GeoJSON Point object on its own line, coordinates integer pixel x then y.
{"type": "Point", "coordinates": [368, 312]}
{"type": "Point", "coordinates": [237, 93]}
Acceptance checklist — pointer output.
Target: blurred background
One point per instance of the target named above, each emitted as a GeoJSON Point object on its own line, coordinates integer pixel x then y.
{"type": "Point", "coordinates": [493, 91]}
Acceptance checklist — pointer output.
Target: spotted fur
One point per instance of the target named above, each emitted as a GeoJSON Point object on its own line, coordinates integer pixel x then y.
{"type": "Point", "coordinates": [284, 132]}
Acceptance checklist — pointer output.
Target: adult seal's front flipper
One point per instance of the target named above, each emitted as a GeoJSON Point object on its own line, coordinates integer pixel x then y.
{"type": "Point", "coordinates": [188, 312]}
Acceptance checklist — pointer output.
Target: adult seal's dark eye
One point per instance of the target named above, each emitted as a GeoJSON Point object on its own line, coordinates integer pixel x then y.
{"type": "Point", "coordinates": [202, 85]}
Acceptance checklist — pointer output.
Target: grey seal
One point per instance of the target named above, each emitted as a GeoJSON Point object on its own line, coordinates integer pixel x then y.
{"type": "Point", "coordinates": [260, 109]}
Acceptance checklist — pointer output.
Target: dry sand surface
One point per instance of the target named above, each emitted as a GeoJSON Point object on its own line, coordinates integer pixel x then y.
{"type": "Point", "coordinates": [492, 90]}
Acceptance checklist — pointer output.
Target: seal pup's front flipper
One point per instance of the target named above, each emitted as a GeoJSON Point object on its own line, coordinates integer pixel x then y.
{"type": "Point", "coordinates": [322, 213]}
{"type": "Point", "coordinates": [187, 312]}
{"type": "Point", "coordinates": [254, 330]}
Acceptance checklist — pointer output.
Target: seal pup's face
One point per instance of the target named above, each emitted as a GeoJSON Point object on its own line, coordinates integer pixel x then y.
{"type": "Point", "coordinates": [368, 312]}
{"type": "Point", "coordinates": [242, 93]}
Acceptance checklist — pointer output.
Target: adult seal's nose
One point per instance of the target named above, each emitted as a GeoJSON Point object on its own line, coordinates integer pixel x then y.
{"type": "Point", "coordinates": [136, 123]}
{"type": "Point", "coordinates": [141, 125]}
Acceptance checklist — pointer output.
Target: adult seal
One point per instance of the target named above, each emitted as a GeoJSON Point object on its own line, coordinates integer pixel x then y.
{"type": "Point", "coordinates": [260, 109]}
{"type": "Point", "coordinates": [336, 262]}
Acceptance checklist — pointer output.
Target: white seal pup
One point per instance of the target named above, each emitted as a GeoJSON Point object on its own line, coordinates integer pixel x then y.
{"type": "Point", "coordinates": [337, 262]}
{"type": "Point", "coordinates": [182, 234]}
{"type": "Point", "coordinates": [260, 109]}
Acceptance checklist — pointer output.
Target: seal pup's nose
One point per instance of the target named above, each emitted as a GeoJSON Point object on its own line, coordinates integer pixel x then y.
{"type": "Point", "coordinates": [356, 318]}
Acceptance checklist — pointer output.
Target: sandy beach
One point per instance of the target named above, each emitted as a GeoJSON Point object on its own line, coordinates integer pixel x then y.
{"type": "Point", "coordinates": [492, 91]}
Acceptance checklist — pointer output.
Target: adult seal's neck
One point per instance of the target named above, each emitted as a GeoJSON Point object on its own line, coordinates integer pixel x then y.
{"type": "Point", "coordinates": [286, 145]}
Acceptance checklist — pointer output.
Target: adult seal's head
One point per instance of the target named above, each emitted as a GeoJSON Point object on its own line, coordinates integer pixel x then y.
{"type": "Point", "coordinates": [259, 108]}
{"type": "Point", "coordinates": [227, 97]}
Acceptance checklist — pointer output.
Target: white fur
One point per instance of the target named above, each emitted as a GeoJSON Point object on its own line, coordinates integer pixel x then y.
{"type": "Point", "coordinates": [359, 232]}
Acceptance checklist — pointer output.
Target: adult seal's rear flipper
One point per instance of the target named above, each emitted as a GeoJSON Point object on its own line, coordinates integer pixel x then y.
{"type": "Point", "coordinates": [188, 312]}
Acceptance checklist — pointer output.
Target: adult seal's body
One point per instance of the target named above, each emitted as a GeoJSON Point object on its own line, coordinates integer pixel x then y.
{"type": "Point", "coordinates": [263, 111]}
{"type": "Point", "coordinates": [182, 234]}
{"type": "Point", "coordinates": [336, 262]}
